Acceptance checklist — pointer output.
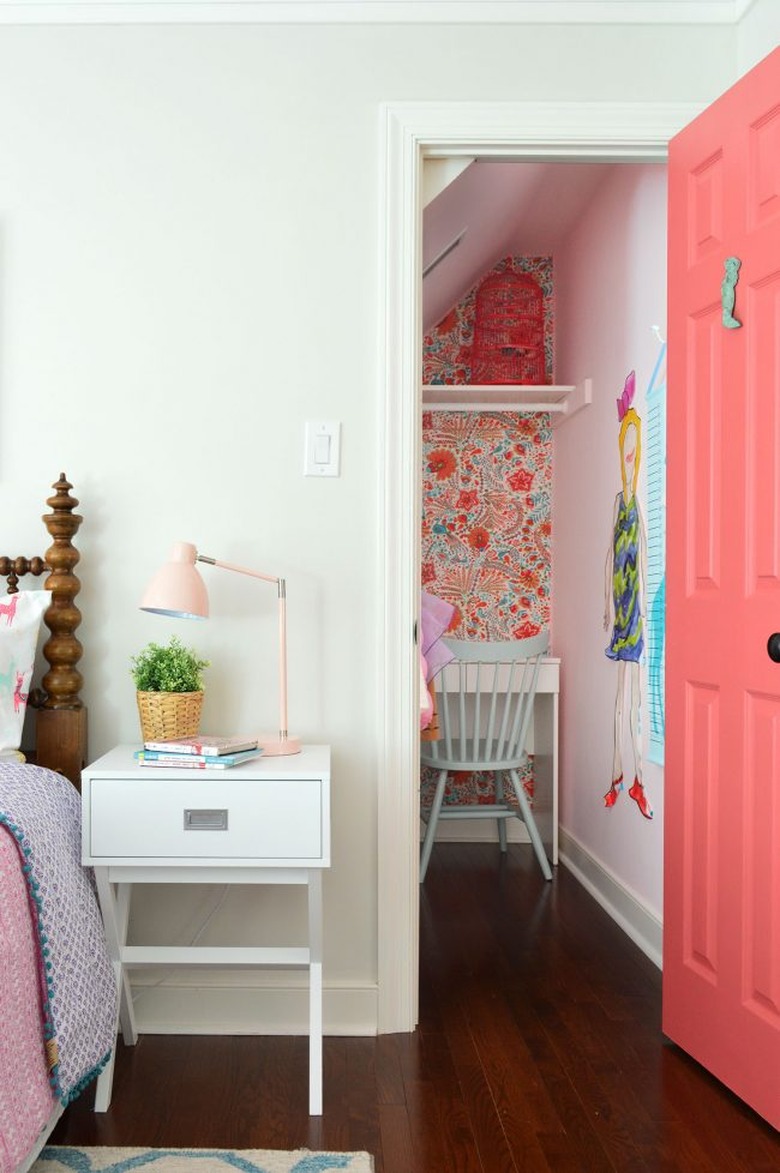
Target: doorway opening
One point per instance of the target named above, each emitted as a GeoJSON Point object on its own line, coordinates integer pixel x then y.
{"type": "Point", "coordinates": [596, 132]}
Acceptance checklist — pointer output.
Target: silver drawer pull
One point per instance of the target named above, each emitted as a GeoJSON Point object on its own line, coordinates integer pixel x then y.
{"type": "Point", "coordinates": [205, 820]}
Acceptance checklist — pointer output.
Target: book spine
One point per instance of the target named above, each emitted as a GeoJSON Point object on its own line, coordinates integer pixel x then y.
{"type": "Point", "coordinates": [158, 755]}
{"type": "Point", "coordinates": [199, 749]}
{"type": "Point", "coordinates": [170, 747]}
{"type": "Point", "coordinates": [194, 764]}
{"type": "Point", "coordinates": [147, 756]}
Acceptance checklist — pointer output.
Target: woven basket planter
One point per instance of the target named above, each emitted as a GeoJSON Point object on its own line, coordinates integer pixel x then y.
{"type": "Point", "coordinates": [168, 715]}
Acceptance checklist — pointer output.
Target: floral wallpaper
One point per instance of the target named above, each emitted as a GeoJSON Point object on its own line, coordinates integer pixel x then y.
{"type": "Point", "coordinates": [487, 506]}
{"type": "Point", "coordinates": [486, 525]}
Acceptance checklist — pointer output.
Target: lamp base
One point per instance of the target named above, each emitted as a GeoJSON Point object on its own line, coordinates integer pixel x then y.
{"type": "Point", "coordinates": [274, 746]}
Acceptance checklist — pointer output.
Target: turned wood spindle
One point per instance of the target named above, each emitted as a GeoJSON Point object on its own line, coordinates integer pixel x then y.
{"type": "Point", "coordinates": [62, 682]}
{"type": "Point", "coordinates": [61, 719]}
{"type": "Point", "coordinates": [12, 569]}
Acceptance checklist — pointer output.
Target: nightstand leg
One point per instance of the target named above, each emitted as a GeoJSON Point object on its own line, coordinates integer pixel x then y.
{"type": "Point", "coordinates": [315, 992]}
{"type": "Point", "coordinates": [115, 912]}
{"type": "Point", "coordinates": [126, 1012]}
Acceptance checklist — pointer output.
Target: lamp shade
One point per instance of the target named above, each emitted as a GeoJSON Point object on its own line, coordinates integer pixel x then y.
{"type": "Point", "coordinates": [177, 588]}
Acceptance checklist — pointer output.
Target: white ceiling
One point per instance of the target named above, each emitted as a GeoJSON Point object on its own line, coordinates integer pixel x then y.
{"type": "Point", "coordinates": [500, 208]}
{"type": "Point", "coordinates": [370, 11]}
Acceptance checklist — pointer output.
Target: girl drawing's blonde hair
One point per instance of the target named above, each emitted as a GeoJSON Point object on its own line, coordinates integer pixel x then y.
{"type": "Point", "coordinates": [630, 418]}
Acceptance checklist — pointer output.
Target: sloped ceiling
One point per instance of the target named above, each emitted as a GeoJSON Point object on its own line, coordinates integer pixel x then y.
{"type": "Point", "coordinates": [495, 208]}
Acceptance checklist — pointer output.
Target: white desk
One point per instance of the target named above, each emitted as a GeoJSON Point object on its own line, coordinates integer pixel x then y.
{"type": "Point", "coordinates": [264, 822]}
{"type": "Point", "coordinates": [543, 744]}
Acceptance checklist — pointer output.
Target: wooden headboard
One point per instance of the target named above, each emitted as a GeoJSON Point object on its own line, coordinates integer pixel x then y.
{"type": "Point", "coordinates": [61, 717]}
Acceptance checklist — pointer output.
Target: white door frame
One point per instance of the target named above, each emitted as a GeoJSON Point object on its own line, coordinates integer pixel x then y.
{"type": "Point", "coordinates": [590, 131]}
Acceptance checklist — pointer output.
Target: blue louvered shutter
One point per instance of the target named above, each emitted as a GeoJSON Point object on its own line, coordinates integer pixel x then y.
{"type": "Point", "coordinates": [656, 557]}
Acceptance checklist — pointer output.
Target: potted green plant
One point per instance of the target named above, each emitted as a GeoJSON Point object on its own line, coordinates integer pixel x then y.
{"type": "Point", "coordinates": [169, 689]}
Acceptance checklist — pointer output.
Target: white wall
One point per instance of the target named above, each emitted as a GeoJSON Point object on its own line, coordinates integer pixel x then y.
{"type": "Point", "coordinates": [188, 250]}
{"type": "Point", "coordinates": [758, 33]}
{"type": "Point", "coordinates": [610, 281]}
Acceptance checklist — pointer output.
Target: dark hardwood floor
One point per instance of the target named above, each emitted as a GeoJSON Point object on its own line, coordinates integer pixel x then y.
{"type": "Point", "coordinates": [539, 1049]}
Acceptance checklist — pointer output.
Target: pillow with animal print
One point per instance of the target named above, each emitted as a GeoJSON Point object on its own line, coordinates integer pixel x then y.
{"type": "Point", "coordinates": [20, 621]}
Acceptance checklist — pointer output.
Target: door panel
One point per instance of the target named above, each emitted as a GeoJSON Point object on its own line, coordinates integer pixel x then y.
{"type": "Point", "coordinates": [705, 207]}
{"type": "Point", "coordinates": [764, 169]}
{"type": "Point", "coordinates": [762, 515]}
{"type": "Point", "coordinates": [722, 777]}
{"type": "Point", "coordinates": [761, 904]}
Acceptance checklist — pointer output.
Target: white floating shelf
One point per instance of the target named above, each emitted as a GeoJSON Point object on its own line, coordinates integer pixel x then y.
{"type": "Point", "coordinates": [559, 399]}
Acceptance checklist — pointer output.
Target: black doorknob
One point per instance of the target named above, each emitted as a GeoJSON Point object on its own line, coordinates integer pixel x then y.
{"type": "Point", "coordinates": [773, 646]}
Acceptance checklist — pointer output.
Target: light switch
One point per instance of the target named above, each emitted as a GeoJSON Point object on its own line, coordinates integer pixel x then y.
{"type": "Point", "coordinates": [321, 449]}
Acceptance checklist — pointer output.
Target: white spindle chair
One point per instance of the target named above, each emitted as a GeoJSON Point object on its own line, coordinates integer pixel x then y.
{"type": "Point", "coordinates": [484, 724]}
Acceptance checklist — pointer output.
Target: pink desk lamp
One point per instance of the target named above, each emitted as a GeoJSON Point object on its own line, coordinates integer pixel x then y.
{"type": "Point", "coordinates": [177, 589]}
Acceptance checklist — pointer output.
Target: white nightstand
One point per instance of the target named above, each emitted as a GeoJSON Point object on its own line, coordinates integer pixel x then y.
{"type": "Point", "coordinates": [265, 822]}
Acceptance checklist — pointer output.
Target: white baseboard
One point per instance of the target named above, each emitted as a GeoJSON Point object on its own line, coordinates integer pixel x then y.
{"type": "Point", "coordinates": [635, 919]}
{"type": "Point", "coordinates": [233, 1004]}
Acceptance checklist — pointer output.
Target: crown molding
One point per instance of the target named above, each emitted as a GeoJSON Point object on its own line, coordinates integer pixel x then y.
{"type": "Point", "coordinates": [667, 12]}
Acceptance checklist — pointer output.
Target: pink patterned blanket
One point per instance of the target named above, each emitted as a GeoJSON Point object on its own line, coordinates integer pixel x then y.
{"type": "Point", "coordinates": [26, 1099]}
{"type": "Point", "coordinates": [77, 996]}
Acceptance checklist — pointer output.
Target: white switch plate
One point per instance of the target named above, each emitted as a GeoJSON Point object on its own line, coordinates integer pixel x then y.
{"type": "Point", "coordinates": [322, 449]}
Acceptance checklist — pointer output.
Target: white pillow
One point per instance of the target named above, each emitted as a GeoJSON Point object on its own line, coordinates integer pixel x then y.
{"type": "Point", "coordinates": [20, 621]}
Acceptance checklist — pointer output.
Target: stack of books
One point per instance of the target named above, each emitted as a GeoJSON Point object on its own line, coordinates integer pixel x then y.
{"type": "Point", "coordinates": [199, 753]}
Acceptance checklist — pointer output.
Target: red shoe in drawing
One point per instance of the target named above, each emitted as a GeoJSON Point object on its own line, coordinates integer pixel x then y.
{"type": "Point", "coordinates": [610, 798]}
{"type": "Point", "coordinates": [637, 792]}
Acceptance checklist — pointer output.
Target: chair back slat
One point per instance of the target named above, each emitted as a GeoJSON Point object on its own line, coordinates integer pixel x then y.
{"type": "Point", "coordinates": [462, 684]}
{"type": "Point", "coordinates": [524, 711]}
{"type": "Point", "coordinates": [505, 708]}
{"type": "Point", "coordinates": [485, 702]}
{"type": "Point", "coordinates": [491, 725]}
{"type": "Point", "coordinates": [477, 705]}
{"type": "Point", "coordinates": [446, 723]}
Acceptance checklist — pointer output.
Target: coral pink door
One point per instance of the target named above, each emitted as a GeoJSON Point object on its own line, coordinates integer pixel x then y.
{"type": "Point", "coordinates": [722, 775]}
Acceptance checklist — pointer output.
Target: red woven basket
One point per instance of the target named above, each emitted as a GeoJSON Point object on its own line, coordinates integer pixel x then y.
{"type": "Point", "coordinates": [508, 330]}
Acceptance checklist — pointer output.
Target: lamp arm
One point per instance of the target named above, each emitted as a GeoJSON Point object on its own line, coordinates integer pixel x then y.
{"type": "Point", "coordinates": [239, 569]}
{"type": "Point", "coordinates": [280, 583]}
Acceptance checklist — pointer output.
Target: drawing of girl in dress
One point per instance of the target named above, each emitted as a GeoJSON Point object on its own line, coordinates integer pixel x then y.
{"type": "Point", "coordinates": [624, 600]}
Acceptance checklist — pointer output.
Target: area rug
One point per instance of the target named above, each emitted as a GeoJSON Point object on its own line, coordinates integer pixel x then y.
{"type": "Point", "coordinates": [61, 1159]}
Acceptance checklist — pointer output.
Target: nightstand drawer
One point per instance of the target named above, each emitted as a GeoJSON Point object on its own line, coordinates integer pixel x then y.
{"type": "Point", "coordinates": [178, 818]}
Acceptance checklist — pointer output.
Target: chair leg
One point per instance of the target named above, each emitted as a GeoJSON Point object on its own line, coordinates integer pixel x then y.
{"type": "Point", "coordinates": [500, 799]}
{"type": "Point", "coordinates": [530, 822]}
{"type": "Point", "coordinates": [433, 818]}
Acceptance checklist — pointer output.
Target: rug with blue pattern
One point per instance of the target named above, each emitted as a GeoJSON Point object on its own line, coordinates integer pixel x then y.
{"type": "Point", "coordinates": [60, 1159]}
